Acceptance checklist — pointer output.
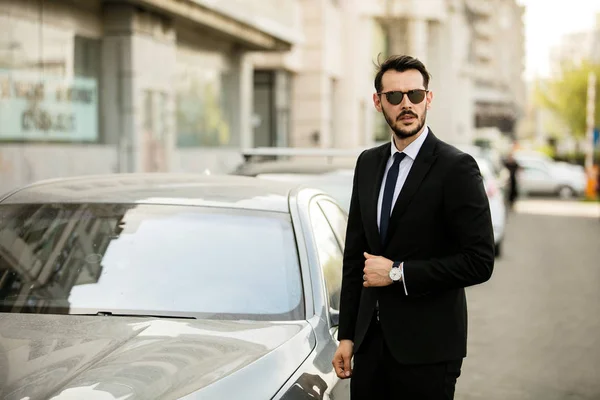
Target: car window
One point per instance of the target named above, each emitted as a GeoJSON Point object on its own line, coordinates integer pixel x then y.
{"type": "Point", "coordinates": [535, 172]}
{"type": "Point", "coordinates": [149, 259]}
{"type": "Point", "coordinates": [329, 253]}
{"type": "Point", "coordinates": [537, 164]}
{"type": "Point", "coordinates": [337, 219]}
{"type": "Point", "coordinates": [339, 187]}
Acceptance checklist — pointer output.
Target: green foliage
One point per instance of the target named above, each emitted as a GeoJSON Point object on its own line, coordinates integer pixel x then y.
{"type": "Point", "coordinates": [577, 157]}
{"type": "Point", "coordinates": [566, 96]}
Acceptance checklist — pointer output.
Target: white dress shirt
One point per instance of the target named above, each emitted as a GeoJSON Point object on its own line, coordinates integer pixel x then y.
{"type": "Point", "coordinates": [406, 164]}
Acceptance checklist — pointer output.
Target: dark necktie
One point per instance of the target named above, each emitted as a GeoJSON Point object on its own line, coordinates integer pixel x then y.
{"type": "Point", "coordinates": [388, 195]}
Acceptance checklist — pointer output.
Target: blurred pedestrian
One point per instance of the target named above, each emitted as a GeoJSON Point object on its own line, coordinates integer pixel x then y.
{"type": "Point", "coordinates": [419, 232]}
{"type": "Point", "coordinates": [513, 168]}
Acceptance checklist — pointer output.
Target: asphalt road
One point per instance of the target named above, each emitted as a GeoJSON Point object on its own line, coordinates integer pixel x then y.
{"type": "Point", "coordinates": [534, 328]}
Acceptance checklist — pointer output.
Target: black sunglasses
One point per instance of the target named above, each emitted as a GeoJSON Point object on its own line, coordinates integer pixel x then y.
{"type": "Point", "coordinates": [395, 97]}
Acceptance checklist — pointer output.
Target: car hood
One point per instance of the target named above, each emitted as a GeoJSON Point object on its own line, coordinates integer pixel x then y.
{"type": "Point", "coordinates": [73, 357]}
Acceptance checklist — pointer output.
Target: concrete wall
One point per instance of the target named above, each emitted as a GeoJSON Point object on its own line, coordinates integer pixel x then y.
{"type": "Point", "coordinates": [138, 67]}
{"type": "Point", "coordinates": [313, 87]}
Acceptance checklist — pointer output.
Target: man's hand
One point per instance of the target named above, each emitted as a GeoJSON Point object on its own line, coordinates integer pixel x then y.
{"type": "Point", "coordinates": [377, 271]}
{"type": "Point", "coordinates": [342, 358]}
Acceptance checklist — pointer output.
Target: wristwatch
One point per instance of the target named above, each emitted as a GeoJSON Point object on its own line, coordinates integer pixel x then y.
{"type": "Point", "coordinates": [395, 273]}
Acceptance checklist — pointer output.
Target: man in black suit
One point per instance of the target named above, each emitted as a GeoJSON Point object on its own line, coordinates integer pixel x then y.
{"type": "Point", "coordinates": [419, 232]}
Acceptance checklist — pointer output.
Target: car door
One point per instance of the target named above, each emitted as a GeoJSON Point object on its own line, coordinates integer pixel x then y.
{"type": "Point", "coordinates": [328, 223]}
{"type": "Point", "coordinates": [338, 220]}
{"type": "Point", "coordinates": [330, 256]}
{"type": "Point", "coordinates": [535, 177]}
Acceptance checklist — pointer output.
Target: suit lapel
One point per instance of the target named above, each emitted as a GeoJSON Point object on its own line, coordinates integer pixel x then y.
{"type": "Point", "coordinates": [383, 157]}
{"type": "Point", "coordinates": [418, 171]}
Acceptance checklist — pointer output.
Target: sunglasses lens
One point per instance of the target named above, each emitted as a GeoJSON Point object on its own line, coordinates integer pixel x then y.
{"type": "Point", "coordinates": [394, 98]}
{"type": "Point", "coordinates": [416, 96]}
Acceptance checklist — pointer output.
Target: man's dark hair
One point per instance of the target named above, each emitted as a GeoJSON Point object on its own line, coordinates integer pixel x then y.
{"type": "Point", "coordinates": [401, 63]}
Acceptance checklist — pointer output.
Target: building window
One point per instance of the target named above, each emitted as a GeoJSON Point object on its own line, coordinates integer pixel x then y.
{"type": "Point", "coordinates": [271, 113]}
{"type": "Point", "coordinates": [264, 119]}
{"type": "Point", "coordinates": [48, 82]}
{"type": "Point", "coordinates": [86, 57]}
{"type": "Point", "coordinates": [204, 91]}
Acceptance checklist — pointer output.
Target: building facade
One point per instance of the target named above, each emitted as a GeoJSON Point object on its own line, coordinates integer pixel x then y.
{"type": "Point", "coordinates": [498, 58]}
{"type": "Point", "coordinates": [98, 86]}
{"type": "Point", "coordinates": [93, 86]}
{"type": "Point", "coordinates": [476, 62]}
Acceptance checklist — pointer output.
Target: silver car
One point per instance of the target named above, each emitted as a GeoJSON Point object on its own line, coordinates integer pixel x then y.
{"type": "Point", "coordinates": [169, 287]}
{"type": "Point", "coordinates": [541, 175]}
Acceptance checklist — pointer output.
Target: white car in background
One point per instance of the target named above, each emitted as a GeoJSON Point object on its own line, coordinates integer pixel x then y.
{"type": "Point", "coordinates": [497, 200]}
{"type": "Point", "coordinates": [542, 175]}
{"type": "Point", "coordinates": [495, 180]}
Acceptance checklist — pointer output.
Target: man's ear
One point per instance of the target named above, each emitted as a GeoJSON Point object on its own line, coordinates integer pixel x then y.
{"type": "Point", "coordinates": [377, 102]}
{"type": "Point", "coordinates": [429, 99]}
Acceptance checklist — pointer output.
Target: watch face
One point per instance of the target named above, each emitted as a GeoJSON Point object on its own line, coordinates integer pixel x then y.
{"type": "Point", "coordinates": [395, 274]}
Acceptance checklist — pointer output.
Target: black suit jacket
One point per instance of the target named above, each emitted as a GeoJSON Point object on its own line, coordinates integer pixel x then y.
{"type": "Point", "coordinates": [441, 229]}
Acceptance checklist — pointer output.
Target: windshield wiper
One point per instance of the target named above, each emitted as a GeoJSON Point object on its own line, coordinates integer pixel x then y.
{"type": "Point", "coordinates": [112, 314]}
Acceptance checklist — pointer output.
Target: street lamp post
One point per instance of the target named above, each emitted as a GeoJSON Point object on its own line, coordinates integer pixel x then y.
{"type": "Point", "coordinates": [589, 157]}
{"type": "Point", "coordinates": [591, 101]}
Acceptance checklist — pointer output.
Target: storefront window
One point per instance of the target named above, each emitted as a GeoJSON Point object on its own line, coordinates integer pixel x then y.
{"type": "Point", "coordinates": [48, 82]}
{"type": "Point", "coordinates": [203, 110]}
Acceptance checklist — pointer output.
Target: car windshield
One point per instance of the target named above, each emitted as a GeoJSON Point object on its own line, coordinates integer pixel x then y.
{"type": "Point", "coordinates": [160, 260]}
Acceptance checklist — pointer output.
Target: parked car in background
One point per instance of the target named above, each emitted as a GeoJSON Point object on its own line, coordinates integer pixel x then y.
{"type": "Point", "coordinates": [336, 176]}
{"type": "Point", "coordinates": [541, 175]}
{"type": "Point", "coordinates": [496, 182]}
{"type": "Point", "coordinates": [329, 170]}
{"type": "Point", "coordinates": [495, 161]}
{"type": "Point", "coordinates": [169, 286]}
{"type": "Point", "coordinates": [497, 199]}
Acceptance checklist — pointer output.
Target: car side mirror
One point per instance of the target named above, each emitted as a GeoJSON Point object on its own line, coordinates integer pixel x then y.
{"type": "Point", "coordinates": [334, 317]}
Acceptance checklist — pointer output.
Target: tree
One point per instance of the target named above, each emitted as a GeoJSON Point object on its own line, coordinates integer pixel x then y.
{"type": "Point", "coordinates": [566, 96]}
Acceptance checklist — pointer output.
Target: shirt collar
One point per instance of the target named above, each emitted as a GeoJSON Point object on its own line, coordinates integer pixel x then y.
{"type": "Point", "coordinates": [412, 149]}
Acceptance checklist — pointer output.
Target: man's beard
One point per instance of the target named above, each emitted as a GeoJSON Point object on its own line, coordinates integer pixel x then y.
{"type": "Point", "coordinates": [403, 134]}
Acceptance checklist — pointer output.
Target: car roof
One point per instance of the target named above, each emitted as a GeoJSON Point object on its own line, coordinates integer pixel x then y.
{"type": "Point", "coordinates": [160, 188]}
{"type": "Point", "coordinates": [294, 167]}
{"type": "Point", "coordinates": [532, 155]}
